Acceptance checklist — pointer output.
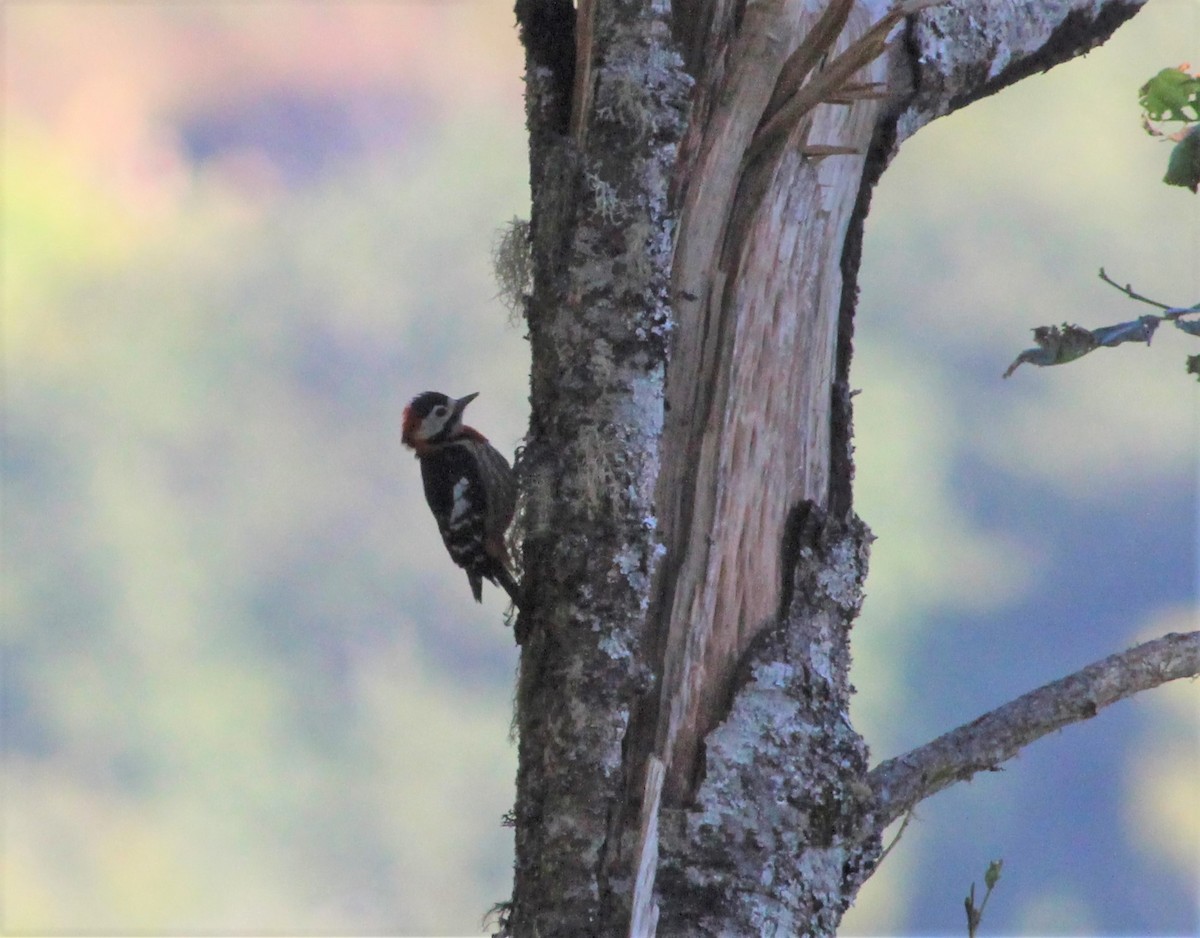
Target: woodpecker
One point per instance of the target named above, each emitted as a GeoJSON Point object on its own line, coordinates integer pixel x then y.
{"type": "Point", "coordinates": [469, 486]}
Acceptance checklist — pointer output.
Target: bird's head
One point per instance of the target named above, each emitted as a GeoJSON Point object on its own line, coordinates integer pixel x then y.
{"type": "Point", "coordinates": [432, 418]}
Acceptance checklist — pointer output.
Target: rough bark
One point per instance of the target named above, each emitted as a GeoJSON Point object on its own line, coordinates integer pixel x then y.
{"type": "Point", "coordinates": [778, 835]}
{"type": "Point", "coordinates": [700, 174]}
{"type": "Point", "coordinates": [599, 320]}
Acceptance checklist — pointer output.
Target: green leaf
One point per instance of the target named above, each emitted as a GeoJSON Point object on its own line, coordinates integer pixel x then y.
{"type": "Point", "coordinates": [1183, 169]}
{"type": "Point", "coordinates": [992, 876]}
{"type": "Point", "coordinates": [1167, 95]}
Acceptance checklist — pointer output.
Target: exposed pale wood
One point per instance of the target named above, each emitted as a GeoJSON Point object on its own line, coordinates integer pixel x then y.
{"type": "Point", "coordinates": [644, 915]}
{"type": "Point", "coordinates": [748, 431]}
{"type": "Point", "coordinates": [770, 31]}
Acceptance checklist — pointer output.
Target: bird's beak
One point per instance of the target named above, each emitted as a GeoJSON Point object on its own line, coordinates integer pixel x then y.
{"type": "Point", "coordinates": [461, 404]}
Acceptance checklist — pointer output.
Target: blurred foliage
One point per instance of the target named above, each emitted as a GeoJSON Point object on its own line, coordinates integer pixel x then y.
{"type": "Point", "coordinates": [229, 673]}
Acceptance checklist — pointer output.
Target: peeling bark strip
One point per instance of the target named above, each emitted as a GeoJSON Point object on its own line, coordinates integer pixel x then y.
{"type": "Point", "coordinates": [686, 763]}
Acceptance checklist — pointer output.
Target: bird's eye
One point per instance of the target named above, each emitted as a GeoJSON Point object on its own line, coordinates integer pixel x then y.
{"type": "Point", "coordinates": [440, 410]}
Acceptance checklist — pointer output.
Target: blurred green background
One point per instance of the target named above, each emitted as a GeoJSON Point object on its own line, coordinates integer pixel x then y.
{"type": "Point", "coordinates": [244, 690]}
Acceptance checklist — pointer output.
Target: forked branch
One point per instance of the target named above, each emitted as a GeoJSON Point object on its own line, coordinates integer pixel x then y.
{"type": "Point", "coordinates": [995, 737]}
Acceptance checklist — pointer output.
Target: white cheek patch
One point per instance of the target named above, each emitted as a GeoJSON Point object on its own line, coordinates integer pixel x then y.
{"type": "Point", "coordinates": [431, 427]}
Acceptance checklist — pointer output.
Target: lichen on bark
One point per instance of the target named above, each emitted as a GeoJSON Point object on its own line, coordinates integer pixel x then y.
{"type": "Point", "coordinates": [687, 763]}
{"type": "Point", "coordinates": [776, 833]}
{"type": "Point", "coordinates": [599, 317]}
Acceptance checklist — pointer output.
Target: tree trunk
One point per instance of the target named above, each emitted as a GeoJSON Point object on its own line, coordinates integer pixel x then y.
{"type": "Point", "coordinates": [700, 175]}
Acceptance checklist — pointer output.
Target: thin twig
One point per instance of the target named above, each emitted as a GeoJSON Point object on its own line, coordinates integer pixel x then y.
{"type": "Point", "coordinates": [1128, 291]}
{"type": "Point", "coordinates": [895, 840]}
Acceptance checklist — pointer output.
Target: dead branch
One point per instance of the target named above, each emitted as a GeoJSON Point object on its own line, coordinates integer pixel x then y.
{"type": "Point", "coordinates": [995, 737]}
